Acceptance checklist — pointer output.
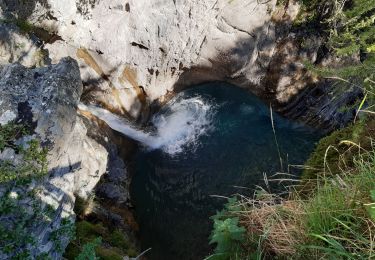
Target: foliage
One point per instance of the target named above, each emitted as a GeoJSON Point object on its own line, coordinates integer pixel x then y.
{"type": "Point", "coordinates": [24, 25]}
{"type": "Point", "coordinates": [349, 26]}
{"type": "Point", "coordinates": [325, 156]}
{"type": "Point", "coordinates": [356, 30]}
{"type": "Point", "coordinates": [114, 242]}
{"type": "Point", "coordinates": [88, 251]}
{"type": "Point", "coordinates": [349, 32]}
{"type": "Point", "coordinates": [33, 165]}
{"type": "Point", "coordinates": [18, 220]}
{"type": "Point", "coordinates": [34, 158]}
{"type": "Point", "coordinates": [9, 133]}
{"type": "Point", "coordinates": [21, 210]}
{"type": "Point", "coordinates": [337, 218]}
{"type": "Point", "coordinates": [227, 234]}
{"type": "Point", "coordinates": [371, 206]}
{"type": "Point", "coordinates": [66, 229]}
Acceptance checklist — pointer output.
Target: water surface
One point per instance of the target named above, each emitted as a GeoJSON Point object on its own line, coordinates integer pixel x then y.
{"type": "Point", "coordinates": [216, 138]}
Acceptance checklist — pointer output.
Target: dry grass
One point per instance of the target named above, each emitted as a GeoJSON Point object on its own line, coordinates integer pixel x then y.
{"type": "Point", "coordinates": [333, 220]}
{"type": "Point", "coordinates": [276, 223]}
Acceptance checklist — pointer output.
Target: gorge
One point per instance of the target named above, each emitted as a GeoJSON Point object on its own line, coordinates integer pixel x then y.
{"type": "Point", "coordinates": [147, 115]}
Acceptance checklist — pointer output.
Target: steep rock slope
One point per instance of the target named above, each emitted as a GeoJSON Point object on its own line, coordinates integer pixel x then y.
{"type": "Point", "coordinates": [44, 101]}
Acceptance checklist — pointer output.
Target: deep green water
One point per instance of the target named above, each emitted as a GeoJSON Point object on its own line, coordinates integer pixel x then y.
{"type": "Point", "coordinates": [172, 191]}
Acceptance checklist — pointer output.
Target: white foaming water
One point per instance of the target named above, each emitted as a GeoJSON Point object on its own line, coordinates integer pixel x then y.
{"type": "Point", "coordinates": [182, 122]}
{"type": "Point", "coordinates": [178, 125]}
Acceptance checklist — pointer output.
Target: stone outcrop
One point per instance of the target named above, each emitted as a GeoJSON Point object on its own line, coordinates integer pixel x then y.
{"type": "Point", "coordinates": [45, 100]}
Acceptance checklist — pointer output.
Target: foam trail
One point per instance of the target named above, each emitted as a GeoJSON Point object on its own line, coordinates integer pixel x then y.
{"type": "Point", "coordinates": [178, 125]}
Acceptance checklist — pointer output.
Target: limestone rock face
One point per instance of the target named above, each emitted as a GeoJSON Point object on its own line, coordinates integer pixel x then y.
{"type": "Point", "coordinates": [45, 101]}
{"type": "Point", "coordinates": [137, 50]}
{"type": "Point", "coordinates": [132, 53]}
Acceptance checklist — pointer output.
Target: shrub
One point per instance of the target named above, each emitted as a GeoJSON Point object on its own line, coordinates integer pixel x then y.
{"type": "Point", "coordinates": [88, 251]}
{"type": "Point", "coordinates": [227, 234]}
{"type": "Point", "coordinates": [114, 244]}
{"type": "Point", "coordinates": [19, 217]}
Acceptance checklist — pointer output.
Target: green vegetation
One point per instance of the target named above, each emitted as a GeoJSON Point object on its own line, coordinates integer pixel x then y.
{"type": "Point", "coordinates": [21, 210]}
{"type": "Point", "coordinates": [227, 233]}
{"type": "Point", "coordinates": [112, 245]}
{"type": "Point", "coordinates": [338, 216]}
{"type": "Point", "coordinates": [9, 133]}
{"type": "Point", "coordinates": [34, 163]}
{"type": "Point", "coordinates": [356, 31]}
{"type": "Point", "coordinates": [97, 239]}
{"type": "Point", "coordinates": [88, 251]}
{"type": "Point", "coordinates": [335, 221]}
{"type": "Point", "coordinates": [329, 147]}
{"type": "Point", "coordinates": [331, 214]}
{"type": "Point", "coordinates": [25, 26]}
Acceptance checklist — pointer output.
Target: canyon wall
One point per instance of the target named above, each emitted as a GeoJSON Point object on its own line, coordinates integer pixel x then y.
{"type": "Point", "coordinates": [133, 53]}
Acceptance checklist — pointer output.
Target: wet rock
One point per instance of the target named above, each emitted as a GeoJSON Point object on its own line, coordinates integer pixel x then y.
{"type": "Point", "coordinates": [117, 171]}
{"type": "Point", "coordinates": [327, 104]}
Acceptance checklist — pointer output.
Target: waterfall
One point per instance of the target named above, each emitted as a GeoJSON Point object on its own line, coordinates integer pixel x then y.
{"type": "Point", "coordinates": [177, 126]}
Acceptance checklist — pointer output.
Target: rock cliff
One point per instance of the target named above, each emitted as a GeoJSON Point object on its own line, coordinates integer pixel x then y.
{"type": "Point", "coordinates": [133, 53]}
{"type": "Point", "coordinates": [44, 101]}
